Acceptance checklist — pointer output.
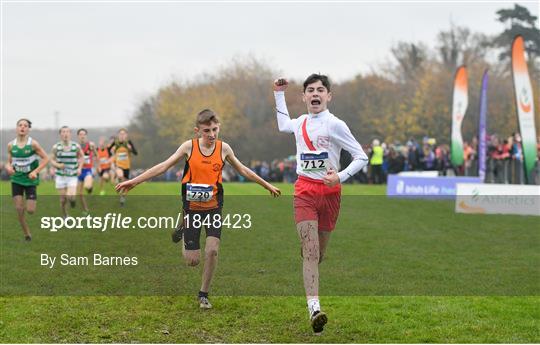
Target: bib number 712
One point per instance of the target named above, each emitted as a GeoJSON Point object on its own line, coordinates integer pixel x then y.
{"type": "Point", "coordinates": [318, 164]}
{"type": "Point", "coordinates": [314, 161]}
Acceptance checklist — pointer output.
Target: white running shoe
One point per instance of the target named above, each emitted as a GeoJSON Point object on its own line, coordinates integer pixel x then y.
{"type": "Point", "coordinates": [204, 303]}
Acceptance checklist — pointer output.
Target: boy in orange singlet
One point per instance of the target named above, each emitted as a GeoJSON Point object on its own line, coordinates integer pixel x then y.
{"type": "Point", "coordinates": [202, 192]}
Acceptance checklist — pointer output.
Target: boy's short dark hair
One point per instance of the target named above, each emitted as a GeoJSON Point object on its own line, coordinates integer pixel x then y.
{"type": "Point", "coordinates": [206, 117]}
{"type": "Point", "coordinates": [60, 130]}
{"type": "Point", "coordinates": [82, 130]}
{"type": "Point", "coordinates": [316, 77]}
{"type": "Point", "coordinates": [27, 121]}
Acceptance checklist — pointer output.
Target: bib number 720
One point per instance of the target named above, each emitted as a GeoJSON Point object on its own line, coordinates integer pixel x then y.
{"type": "Point", "coordinates": [199, 192]}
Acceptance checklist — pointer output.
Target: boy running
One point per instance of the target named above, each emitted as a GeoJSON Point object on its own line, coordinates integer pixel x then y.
{"type": "Point", "coordinates": [104, 167]}
{"type": "Point", "coordinates": [122, 149]}
{"type": "Point", "coordinates": [202, 192]}
{"type": "Point", "coordinates": [320, 137]}
{"type": "Point", "coordinates": [23, 167]}
{"type": "Point", "coordinates": [86, 178]}
{"type": "Point", "coordinates": [68, 159]}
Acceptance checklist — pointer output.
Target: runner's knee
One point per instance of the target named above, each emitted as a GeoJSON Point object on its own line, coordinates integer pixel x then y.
{"type": "Point", "coordinates": [211, 252]}
{"type": "Point", "coordinates": [310, 252]}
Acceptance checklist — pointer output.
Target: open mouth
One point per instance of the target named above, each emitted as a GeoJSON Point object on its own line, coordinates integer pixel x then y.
{"type": "Point", "coordinates": [315, 102]}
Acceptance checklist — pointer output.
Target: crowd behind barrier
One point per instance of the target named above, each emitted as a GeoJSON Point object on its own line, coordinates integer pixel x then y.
{"type": "Point", "coordinates": [504, 162]}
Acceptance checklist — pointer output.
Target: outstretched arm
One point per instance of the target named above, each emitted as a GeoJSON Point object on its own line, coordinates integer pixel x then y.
{"type": "Point", "coordinates": [285, 123]}
{"type": "Point", "coordinates": [156, 170]}
{"type": "Point", "coordinates": [247, 173]}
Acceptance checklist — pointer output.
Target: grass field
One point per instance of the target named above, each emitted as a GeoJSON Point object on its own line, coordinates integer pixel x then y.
{"type": "Point", "coordinates": [396, 271]}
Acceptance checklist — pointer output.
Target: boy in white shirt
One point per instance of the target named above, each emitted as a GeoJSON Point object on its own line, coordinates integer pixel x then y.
{"type": "Point", "coordinates": [320, 137]}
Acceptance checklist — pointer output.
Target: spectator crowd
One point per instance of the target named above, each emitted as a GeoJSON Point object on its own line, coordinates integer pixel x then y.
{"type": "Point", "coordinates": [504, 162]}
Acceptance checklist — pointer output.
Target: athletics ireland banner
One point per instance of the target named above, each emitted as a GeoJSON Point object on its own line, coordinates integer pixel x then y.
{"type": "Point", "coordinates": [459, 106]}
{"type": "Point", "coordinates": [524, 106]}
{"type": "Point", "coordinates": [482, 144]}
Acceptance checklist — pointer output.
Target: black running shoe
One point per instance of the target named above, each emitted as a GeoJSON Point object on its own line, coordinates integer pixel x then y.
{"type": "Point", "coordinates": [318, 320]}
{"type": "Point", "coordinates": [177, 234]}
{"type": "Point", "coordinates": [28, 238]}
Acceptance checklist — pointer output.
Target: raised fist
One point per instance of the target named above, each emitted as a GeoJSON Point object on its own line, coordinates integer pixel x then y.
{"type": "Point", "coordinates": [280, 84]}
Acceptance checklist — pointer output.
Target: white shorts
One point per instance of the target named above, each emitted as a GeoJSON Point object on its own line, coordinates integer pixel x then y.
{"type": "Point", "coordinates": [65, 182]}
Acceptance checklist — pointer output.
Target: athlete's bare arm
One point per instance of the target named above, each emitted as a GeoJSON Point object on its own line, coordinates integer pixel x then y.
{"type": "Point", "coordinates": [44, 159]}
{"type": "Point", "coordinates": [53, 160]}
{"type": "Point", "coordinates": [246, 172]}
{"type": "Point", "coordinates": [183, 152]}
{"type": "Point", "coordinates": [112, 158]}
{"type": "Point", "coordinates": [9, 166]}
{"type": "Point", "coordinates": [93, 147]}
{"type": "Point", "coordinates": [80, 156]}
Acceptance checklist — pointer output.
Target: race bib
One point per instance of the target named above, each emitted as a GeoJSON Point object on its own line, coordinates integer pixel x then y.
{"type": "Point", "coordinates": [103, 160]}
{"type": "Point", "coordinates": [22, 165]}
{"type": "Point", "coordinates": [69, 171]}
{"type": "Point", "coordinates": [22, 168]}
{"type": "Point", "coordinates": [199, 192]}
{"type": "Point", "coordinates": [86, 159]}
{"type": "Point", "coordinates": [122, 156]}
{"type": "Point", "coordinates": [314, 161]}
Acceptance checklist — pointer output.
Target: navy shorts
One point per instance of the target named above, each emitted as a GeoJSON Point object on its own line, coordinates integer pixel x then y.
{"type": "Point", "coordinates": [19, 189]}
{"type": "Point", "coordinates": [193, 224]}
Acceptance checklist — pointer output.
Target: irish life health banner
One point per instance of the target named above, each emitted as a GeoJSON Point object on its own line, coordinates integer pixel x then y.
{"type": "Point", "coordinates": [459, 106]}
{"type": "Point", "coordinates": [482, 144]}
{"type": "Point", "coordinates": [524, 105]}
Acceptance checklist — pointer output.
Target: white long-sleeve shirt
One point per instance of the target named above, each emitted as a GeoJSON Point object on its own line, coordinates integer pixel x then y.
{"type": "Point", "coordinates": [327, 133]}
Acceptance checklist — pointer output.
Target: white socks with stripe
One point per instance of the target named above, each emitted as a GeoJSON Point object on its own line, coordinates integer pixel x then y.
{"type": "Point", "coordinates": [313, 306]}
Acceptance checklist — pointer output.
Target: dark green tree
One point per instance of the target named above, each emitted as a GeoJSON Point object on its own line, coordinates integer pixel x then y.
{"type": "Point", "coordinates": [518, 21]}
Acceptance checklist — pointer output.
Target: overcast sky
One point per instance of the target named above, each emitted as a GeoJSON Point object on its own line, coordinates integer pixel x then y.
{"type": "Point", "coordinates": [94, 62]}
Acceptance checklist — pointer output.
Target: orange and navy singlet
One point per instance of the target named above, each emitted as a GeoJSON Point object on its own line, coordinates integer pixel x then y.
{"type": "Point", "coordinates": [202, 188]}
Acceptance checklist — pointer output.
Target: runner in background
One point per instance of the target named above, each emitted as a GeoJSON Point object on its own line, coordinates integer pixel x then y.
{"type": "Point", "coordinates": [86, 178]}
{"type": "Point", "coordinates": [23, 166]}
{"type": "Point", "coordinates": [104, 164]}
{"type": "Point", "coordinates": [122, 149]}
{"type": "Point", "coordinates": [68, 159]}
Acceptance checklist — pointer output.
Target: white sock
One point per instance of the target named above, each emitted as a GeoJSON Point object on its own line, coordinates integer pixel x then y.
{"type": "Point", "coordinates": [313, 305]}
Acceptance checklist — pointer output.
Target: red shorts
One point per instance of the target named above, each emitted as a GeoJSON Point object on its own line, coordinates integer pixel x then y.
{"type": "Point", "coordinates": [315, 201]}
